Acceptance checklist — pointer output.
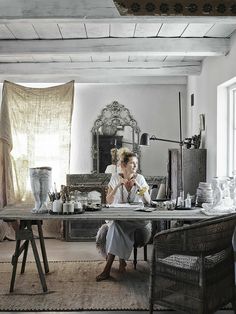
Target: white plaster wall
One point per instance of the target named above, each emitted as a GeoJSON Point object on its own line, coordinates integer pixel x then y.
{"type": "Point", "coordinates": [155, 107]}
{"type": "Point", "coordinates": [215, 71]}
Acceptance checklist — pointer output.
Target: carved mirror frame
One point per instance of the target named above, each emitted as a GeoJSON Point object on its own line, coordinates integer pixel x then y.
{"type": "Point", "coordinates": [113, 117]}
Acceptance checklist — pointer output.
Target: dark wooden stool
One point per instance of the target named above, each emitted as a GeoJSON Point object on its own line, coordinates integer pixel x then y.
{"type": "Point", "coordinates": [25, 234]}
{"type": "Point", "coordinates": [135, 249]}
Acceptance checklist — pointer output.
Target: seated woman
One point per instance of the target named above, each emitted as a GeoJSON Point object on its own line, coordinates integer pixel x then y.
{"type": "Point", "coordinates": [115, 159]}
{"type": "Point", "coordinates": [124, 188]}
{"type": "Point", "coordinates": [113, 167]}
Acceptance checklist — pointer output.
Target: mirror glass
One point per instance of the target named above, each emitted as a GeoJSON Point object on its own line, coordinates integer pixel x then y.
{"type": "Point", "coordinates": [114, 128]}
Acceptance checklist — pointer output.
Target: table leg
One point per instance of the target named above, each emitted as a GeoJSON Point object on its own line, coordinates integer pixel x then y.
{"type": "Point", "coordinates": [145, 252]}
{"type": "Point", "coordinates": [14, 263]}
{"type": "Point", "coordinates": [26, 246]}
{"type": "Point", "coordinates": [39, 266]}
{"type": "Point", "coordinates": [43, 249]}
{"type": "Point", "coordinates": [25, 233]}
{"type": "Point", "coordinates": [36, 255]}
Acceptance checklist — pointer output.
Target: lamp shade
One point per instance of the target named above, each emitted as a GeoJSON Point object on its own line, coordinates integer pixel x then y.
{"type": "Point", "coordinates": [144, 140]}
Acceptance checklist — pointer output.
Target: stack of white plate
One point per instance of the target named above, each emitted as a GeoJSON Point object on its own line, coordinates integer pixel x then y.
{"type": "Point", "coordinates": [204, 193]}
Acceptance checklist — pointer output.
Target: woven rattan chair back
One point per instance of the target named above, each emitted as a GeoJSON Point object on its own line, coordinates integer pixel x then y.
{"type": "Point", "coordinates": [193, 266]}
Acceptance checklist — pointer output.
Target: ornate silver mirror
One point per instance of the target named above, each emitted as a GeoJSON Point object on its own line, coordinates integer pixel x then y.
{"type": "Point", "coordinates": [114, 128]}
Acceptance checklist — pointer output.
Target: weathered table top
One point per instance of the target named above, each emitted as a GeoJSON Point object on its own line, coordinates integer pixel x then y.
{"type": "Point", "coordinates": [23, 212]}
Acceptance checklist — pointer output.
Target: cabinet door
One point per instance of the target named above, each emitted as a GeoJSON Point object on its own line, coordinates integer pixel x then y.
{"type": "Point", "coordinates": [106, 142]}
{"type": "Point", "coordinates": [194, 170]}
{"type": "Point", "coordinates": [81, 230]}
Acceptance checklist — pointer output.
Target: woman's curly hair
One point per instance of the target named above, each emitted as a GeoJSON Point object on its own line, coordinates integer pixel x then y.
{"type": "Point", "coordinates": [125, 154]}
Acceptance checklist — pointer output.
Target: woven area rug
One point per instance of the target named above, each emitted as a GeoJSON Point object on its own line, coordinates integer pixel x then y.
{"type": "Point", "coordinates": [72, 286]}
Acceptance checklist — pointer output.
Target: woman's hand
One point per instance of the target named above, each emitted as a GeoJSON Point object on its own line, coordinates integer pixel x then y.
{"type": "Point", "coordinates": [122, 181]}
{"type": "Point", "coordinates": [144, 193]}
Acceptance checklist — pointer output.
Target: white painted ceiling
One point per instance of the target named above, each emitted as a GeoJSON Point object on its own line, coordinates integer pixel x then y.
{"type": "Point", "coordinates": [54, 41]}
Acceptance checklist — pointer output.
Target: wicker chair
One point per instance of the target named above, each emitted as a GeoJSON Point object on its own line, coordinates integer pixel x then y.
{"type": "Point", "coordinates": [193, 267]}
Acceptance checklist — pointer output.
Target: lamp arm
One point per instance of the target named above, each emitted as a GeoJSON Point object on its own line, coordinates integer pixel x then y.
{"type": "Point", "coordinates": [181, 143]}
{"type": "Point", "coordinates": [125, 142]}
{"type": "Point", "coordinates": [154, 138]}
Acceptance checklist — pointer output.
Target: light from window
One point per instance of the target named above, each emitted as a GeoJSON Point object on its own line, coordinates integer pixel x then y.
{"type": "Point", "coordinates": [226, 128]}
{"type": "Point", "coordinates": [231, 162]}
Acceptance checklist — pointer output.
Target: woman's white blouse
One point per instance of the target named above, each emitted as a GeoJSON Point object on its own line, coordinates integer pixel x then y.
{"type": "Point", "coordinates": [122, 195]}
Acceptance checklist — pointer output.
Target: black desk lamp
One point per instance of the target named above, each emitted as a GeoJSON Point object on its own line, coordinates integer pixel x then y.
{"type": "Point", "coordinates": [145, 141]}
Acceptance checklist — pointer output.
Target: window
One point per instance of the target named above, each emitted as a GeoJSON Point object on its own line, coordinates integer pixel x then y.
{"type": "Point", "coordinates": [231, 129]}
{"type": "Point", "coordinates": [226, 128]}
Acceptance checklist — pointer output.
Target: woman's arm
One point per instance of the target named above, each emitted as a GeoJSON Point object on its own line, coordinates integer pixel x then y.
{"type": "Point", "coordinates": [111, 194]}
{"type": "Point", "coordinates": [143, 192]}
{"type": "Point", "coordinates": [112, 191]}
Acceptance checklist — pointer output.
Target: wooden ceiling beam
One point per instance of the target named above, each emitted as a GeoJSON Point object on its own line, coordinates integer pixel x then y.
{"type": "Point", "coordinates": [77, 69]}
{"type": "Point", "coordinates": [116, 65]}
{"type": "Point", "coordinates": [123, 19]}
{"type": "Point", "coordinates": [121, 80]}
{"type": "Point", "coordinates": [118, 47]}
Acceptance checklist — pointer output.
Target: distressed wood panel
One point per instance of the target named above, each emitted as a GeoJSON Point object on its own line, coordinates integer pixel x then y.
{"type": "Point", "coordinates": [136, 58]}
{"type": "Point", "coordinates": [223, 30]}
{"type": "Point", "coordinates": [192, 58]}
{"type": "Point", "coordinates": [77, 30]}
{"type": "Point", "coordinates": [27, 59]}
{"type": "Point", "coordinates": [45, 31]}
{"type": "Point", "coordinates": [41, 58]}
{"type": "Point", "coordinates": [23, 31]}
{"type": "Point", "coordinates": [5, 33]}
{"type": "Point", "coordinates": [62, 78]}
{"type": "Point", "coordinates": [92, 64]}
{"type": "Point", "coordinates": [119, 58]}
{"type": "Point", "coordinates": [96, 31]}
{"type": "Point", "coordinates": [156, 58]}
{"type": "Point", "coordinates": [72, 30]}
{"type": "Point", "coordinates": [122, 46]}
{"type": "Point", "coordinates": [197, 30]}
{"type": "Point", "coordinates": [68, 69]}
{"type": "Point", "coordinates": [194, 170]}
{"type": "Point", "coordinates": [81, 230]}
{"type": "Point", "coordinates": [61, 58]}
{"type": "Point", "coordinates": [147, 30]}
{"type": "Point", "coordinates": [122, 30]}
{"type": "Point", "coordinates": [112, 213]}
{"type": "Point", "coordinates": [100, 60]}
{"type": "Point", "coordinates": [8, 59]}
{"type": "Point", "coordinates": [174, 58]}
{"type": "Point", "coordinates": [80, 58]}
{"type": "Point", "coordinates": [172, 30]}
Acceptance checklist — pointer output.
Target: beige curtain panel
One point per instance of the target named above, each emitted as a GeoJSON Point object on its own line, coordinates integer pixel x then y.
{"type": "Point", "coordinates": [35, 129]}
{"type": "Point", "coordinates": [6, 186]}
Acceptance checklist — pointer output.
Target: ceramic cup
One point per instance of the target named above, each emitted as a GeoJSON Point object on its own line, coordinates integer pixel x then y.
{"type": "Point", "coordinates": [57, 206]}
{"type": "Point", "coordinates": [68, 208]}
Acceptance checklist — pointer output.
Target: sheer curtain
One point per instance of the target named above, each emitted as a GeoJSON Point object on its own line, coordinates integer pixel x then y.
{"type": "Point", "coordinates": [35, 129]}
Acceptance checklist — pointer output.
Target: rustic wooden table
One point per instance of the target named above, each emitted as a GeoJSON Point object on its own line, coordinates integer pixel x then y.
{"type": "Point", "coordinates": [27, 219]}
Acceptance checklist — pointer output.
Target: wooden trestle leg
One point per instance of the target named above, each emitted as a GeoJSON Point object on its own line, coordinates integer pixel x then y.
{"type": "Point", "coordinates": [25, 234]}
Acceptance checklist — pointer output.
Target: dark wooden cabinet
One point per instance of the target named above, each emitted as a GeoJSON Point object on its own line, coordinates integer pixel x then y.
{"type": "Point", "coordinates": [83, 230]}
{"type": "Point", "coordinates": [194, 170]}
{"type": "Point", "coordinates": [106, 143]}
